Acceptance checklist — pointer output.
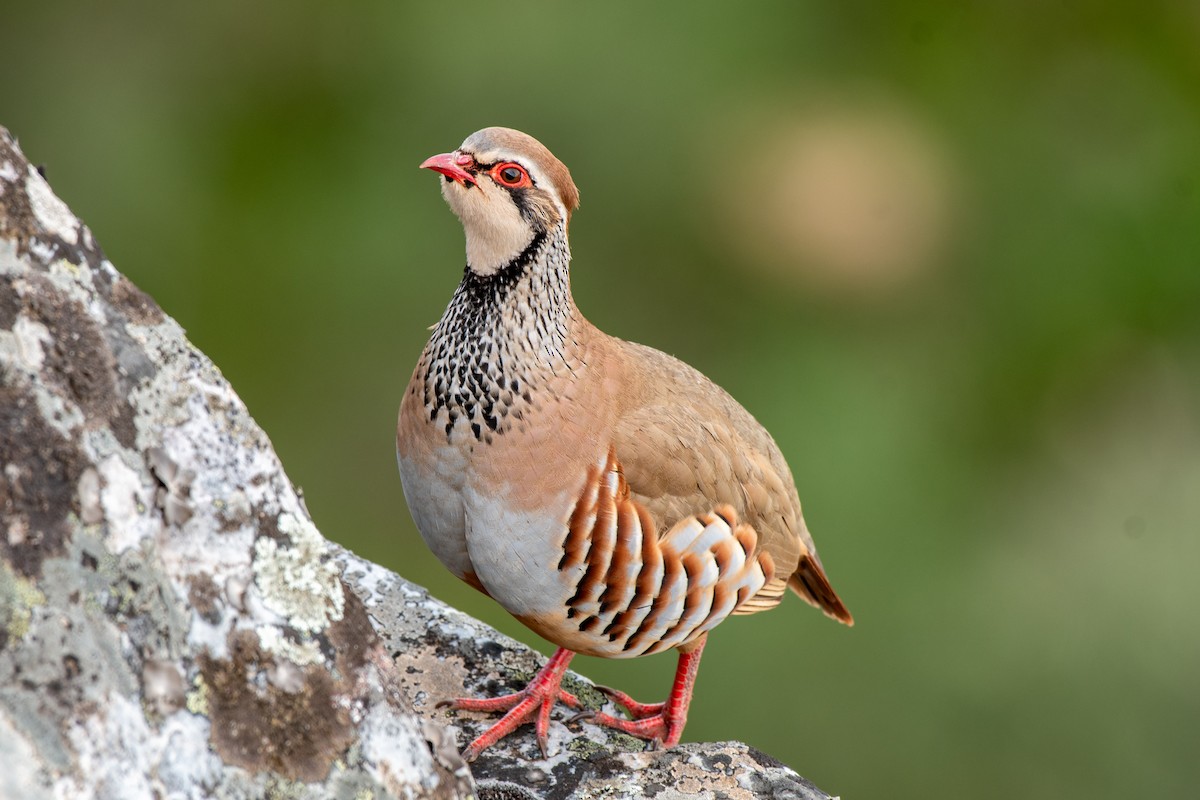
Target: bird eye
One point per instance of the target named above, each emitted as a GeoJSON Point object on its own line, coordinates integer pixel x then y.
{"type": "Point", "coordinates": [511, 175]}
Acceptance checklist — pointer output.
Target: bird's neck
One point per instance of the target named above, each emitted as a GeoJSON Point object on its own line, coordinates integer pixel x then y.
{"type": "Point", "coordinates": [528, 299]}
{"type": "Point", "coordinates": [504, 337]}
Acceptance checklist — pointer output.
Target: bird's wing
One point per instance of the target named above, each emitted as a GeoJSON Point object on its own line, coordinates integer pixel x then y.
{"type": "Point", "coordinates": [686, 446]}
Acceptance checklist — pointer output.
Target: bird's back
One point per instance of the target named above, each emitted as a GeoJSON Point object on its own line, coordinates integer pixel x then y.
{"type": "Point", "coordinates": [686, 444]}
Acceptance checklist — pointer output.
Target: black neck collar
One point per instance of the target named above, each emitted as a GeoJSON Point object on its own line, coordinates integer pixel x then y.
{"type": "Point", "coordinates": [481, 290]}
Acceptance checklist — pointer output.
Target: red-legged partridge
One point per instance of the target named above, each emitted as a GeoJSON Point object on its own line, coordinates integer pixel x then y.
{"type": "Point", "coordinates": [607, 495]}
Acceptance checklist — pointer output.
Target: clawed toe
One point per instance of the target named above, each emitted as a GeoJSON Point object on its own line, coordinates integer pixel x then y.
{"type": "Point", "coordinates": [636, 710]}
{"type": "Point", "coordinates": [582, 716]}
{"type": "Point", "coordinates": [532, 704]}
{"type": "Point", "coordinates": [659, 730]}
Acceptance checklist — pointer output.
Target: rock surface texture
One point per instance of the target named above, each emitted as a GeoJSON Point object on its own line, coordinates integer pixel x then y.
{"type": "Point", "coordinates": [172, 624]}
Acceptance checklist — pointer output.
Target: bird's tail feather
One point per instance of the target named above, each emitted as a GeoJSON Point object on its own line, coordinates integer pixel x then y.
{"type": "Point", "coordinates": [810, 583]}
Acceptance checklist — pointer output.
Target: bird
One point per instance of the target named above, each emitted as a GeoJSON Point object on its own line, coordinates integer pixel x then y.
{"type": "Point", "coordinates": [612, 498]}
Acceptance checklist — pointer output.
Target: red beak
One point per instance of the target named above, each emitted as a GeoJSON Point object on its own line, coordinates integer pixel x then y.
{"type": "Point", "coordinates": [451, 165]}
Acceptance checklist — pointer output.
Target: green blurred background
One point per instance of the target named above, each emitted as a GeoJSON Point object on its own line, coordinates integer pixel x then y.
{"type": "Point", "coordinates": [946, 252]}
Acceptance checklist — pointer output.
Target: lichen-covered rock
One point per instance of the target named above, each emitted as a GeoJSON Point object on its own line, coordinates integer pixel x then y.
{"type": "Point", "coordinates": [172, 625]}
{"type": "Point", "coordinates": [439, 652]}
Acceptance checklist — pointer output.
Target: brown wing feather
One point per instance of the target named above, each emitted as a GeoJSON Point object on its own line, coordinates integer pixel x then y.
{"type": "Point", "coordinates": [687, 445]}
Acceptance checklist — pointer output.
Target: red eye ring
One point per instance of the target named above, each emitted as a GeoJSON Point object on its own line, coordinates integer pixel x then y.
{"type": "Point", "coordinates": [510, 175]}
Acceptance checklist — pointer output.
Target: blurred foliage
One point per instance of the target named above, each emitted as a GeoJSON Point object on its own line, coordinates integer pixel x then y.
{"type": "Point", "coordinates": [947, 253]}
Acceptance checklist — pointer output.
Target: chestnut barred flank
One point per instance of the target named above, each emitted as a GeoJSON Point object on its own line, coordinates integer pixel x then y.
{"type": "Point", "coordinates": [641, 593]}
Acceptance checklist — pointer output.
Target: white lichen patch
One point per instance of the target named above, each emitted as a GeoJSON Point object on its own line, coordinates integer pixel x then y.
{"type": "Point", "coordinates": [31, 338]}
{"type": "Point", "coordinates": [51, 213]}
{"type": "Point", "coordinates": [394, 750]}
{"type": "Point", "coordinates": [77, 282]}
{"type": "Point", "coordinates": [42, 251]}
{"type": "Point", "coordinates": [159, 403]}
{"type": "Point", "coordinates": [211, 432]}
{"type": "Point", "coordinates": [272, 640]}
{"type": "Point", "coordinates": [453, 625]}
{"type": "Point", "coordinates": [204, 636]}
{"type": "Point", "coordinates": [187, 765]}
{"type": "Point", "coordinates": [126, 502]}
{"type": "Point", "coordinates": [10, 262]}
{"type": "Point", "coordinates": [162, 687]}
{"type": "Point", "coordinates": [8, 173]}
{"type": "Point", "coordinates": [120, 755]}
{"type": "Point", "coordinates": [287, 677]}
{"type": "Point", "coordinates": [372, 582]}
{"type": "Point", "coordinates": [19, 778]}
{"type": "Point", "coordinates": [23, 352]}
{"type": "Point", "coordinates": [112, 748]}
{"type": "Point", "coordinates": [60, 412]}
{"type": "Point", "coordinates": [299, 583]}
{"type": "Point", "coordinates": [90, 510]}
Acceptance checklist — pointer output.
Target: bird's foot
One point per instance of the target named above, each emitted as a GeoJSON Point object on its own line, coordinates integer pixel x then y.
{"type": "Point", "coordinates": [661, 723]}
{"type": "Point", "coordinates": [636, 710]}
{"type": "Point", "coordinates": [532, 704]}
{"type": "Point", "coordinates": [661, 728]}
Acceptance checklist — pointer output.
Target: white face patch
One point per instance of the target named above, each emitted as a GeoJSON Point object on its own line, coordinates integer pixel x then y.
{"type": "Point", "coordinates": [496, 232]}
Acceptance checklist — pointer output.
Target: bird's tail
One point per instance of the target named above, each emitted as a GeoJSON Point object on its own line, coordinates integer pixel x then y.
{"type": "Point", "coordinates": [810, 583]}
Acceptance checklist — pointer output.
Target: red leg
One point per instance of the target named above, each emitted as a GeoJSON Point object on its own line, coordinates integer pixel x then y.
{"type": "Point", "coordinates": [531, 704]}
{"type": "Point", "coordinates": [661, 723]}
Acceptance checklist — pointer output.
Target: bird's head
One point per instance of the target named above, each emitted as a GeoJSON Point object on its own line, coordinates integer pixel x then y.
{"type": "Point", "coordinates": [506, 187]}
